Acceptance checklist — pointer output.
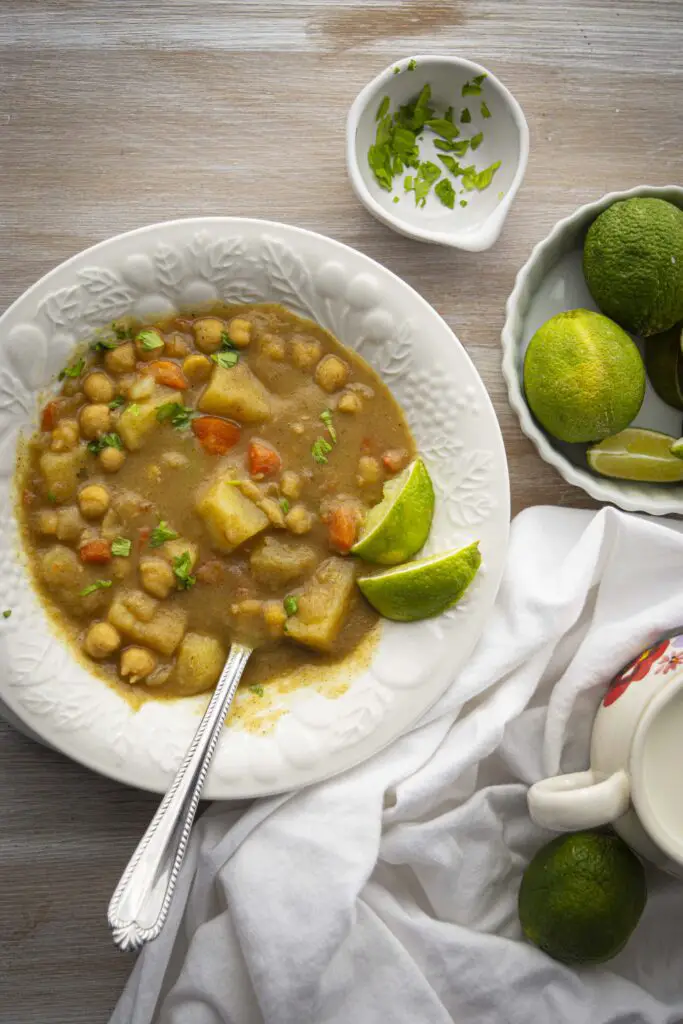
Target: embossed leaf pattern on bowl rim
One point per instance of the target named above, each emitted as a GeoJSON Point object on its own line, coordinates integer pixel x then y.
{"type": "Point", "coordinates": [191, 263]}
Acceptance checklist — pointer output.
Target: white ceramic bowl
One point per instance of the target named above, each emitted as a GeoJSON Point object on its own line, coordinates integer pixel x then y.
{"type": "Point", "coordinates": [506, 138]}
{"type": "Point", "coordinates": [550, 282]}
{"type": "Point", "coordinates": [190, 263]}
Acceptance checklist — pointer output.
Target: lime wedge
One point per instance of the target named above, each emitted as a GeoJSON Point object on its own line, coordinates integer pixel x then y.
{"type": "Point", "coordinates": [664, 365]}
{"type": "Point", "coordinates": [399, 525]}
{"type": "Point", "coordinates": [677, 448]}
{"type": "Point", "coordinates": [637, 454]}
{"type": "Point", "coordinates": [420, 589]}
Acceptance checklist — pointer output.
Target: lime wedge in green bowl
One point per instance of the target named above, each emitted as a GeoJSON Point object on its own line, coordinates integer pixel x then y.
{"type": "Point", "coordinates": [637, 454]}
{"type": "Point", "coordinates": [418, 590]}
{"type": "Point", "coordinates": [398, 526]}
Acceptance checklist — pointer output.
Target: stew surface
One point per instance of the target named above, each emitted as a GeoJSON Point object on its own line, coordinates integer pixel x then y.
{"type": "Point", "coordinates": [202, 479]}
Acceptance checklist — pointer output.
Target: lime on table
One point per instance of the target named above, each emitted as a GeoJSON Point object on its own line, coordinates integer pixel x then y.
{"type": "Point", "coordinates": [637, 454]}
{"type": "Point", "coordinates": [664, 365]}
{"type": "Point", "coordinates": [583, 376]}
{"type": "Point", "coordinates": [426, 587]}
{"type": "Point", "coordinates": [399, 525]}
{"type": "Point", "coordinates": [633, 264]}
{"type": "Point", "coordinates": [581, 897]}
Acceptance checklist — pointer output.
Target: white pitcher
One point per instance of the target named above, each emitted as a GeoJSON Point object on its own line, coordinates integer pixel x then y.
{"type": "Point", "coordinates": [635, 781]}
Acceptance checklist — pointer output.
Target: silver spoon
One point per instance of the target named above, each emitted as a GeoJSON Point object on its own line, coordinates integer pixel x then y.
{"type": "Point", "coordinates": [141, 900]}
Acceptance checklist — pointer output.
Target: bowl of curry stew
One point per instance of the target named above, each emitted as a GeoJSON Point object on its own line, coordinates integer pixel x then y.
{"type": "Point", "coordinates": [198, 418]}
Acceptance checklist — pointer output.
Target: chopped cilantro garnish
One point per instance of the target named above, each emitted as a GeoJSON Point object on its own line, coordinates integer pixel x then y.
{"type": "Point", "coordinates": [479, 180]}
{"type": "Point", "coordinates": [396, 199]}
{"type": "Point", "coordinates": [396, 70]}
{"type": "Point", "coordinates": [478, 79]}
{"type": "Point", "coordinates": [52, 497]}
{"type": "Point", "coordinates": [421, 183]}
{"type": "Point", "coordinates": [446, 193]}
{"type": "Point", "coordinates": [446, 129]}
{"type": "Point", "coordinates": [448, 116]}
{"type": "Point", "coordinates": [105, 441]}
{"type": "Point", "coordinates": [383, 109]}
{"type": "Point", "coordinates": [465, 115]}
{"type": "Point", "coordinates": [97, 585]}
{"type": "Point", "coordinates": [181, 568]}
{"type": "Point", "coordinates": [500, 195]}
{"type": "Point", "coordinates": [412, 64]}
{"type": "Point", "coordinates": [122, 332]}
{"type": "Point", "coordinates": [451, 164]}
{"type": "Point", "coordinates": [117, 402]}
{"type": "Point", "coordinates": [121, 546]}
{"type": "Point", "coordinates": [149, 340]}
{"type": "Point", "coordinates": [284, 505]}
{"type": "Point", "coordinates": [473, 88]}
{"type": "Point", "coordinates": [463, 202]}
{"type": "Point", "coordinates": [178, 414]}
{"type": "Point", "coordinates": [326, 417]}
{"type": "Point", "coordinates": [133, 409]}
{"type": "Point", "coordinates": [226, 359]}
{"type": "Point", "coordinates": [7, 612]}
{"type": "Point", "coordinates": [476, 140]}
{"type": "Point", "coordinates": [227, 342]}
{"type": "Point", "coordinates": [73, 371]}
{"type": "Point", "coordinates": [319, 450]}
{"type": "Point", "coordinates": [160, 534]}
{"type": "Point", "coordinates": [257, 689]}
{"type": "Point", "coordinates": [291, 605]}
{"type": "Point", "coordinates": [104, 345]}
{"type": "Point", "coordinates": [485, 112]}
{"type": "Point", "coordinates": [460, 148]}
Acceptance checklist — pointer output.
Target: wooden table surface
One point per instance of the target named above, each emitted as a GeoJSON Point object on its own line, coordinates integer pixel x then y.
{"type": "Point", "coordinates": [115, 115]}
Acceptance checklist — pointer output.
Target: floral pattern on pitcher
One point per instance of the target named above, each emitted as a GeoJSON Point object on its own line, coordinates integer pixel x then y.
{"type": "Point", "coordinates": [641, 666]}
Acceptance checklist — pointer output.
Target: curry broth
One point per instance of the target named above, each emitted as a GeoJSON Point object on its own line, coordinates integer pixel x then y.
{"type": "Point", "coordinates": [161, 482]}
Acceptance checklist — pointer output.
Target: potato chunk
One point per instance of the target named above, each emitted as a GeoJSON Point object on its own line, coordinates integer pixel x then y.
{"type": "Point", "coordinates": [137, 421]}
{"type": "Point", "coordinates": [236, 393]}
{"type": "Point", "coordinates": [173, 549]}
{"type": "Point", "coordinates": [61, 569]}
{"type": "Point", "coordinates": [156, 576]}
{"type": "Point", "coordinates": [229, 516]}
{"type": "Point", "coordinates": [275, 563]}
{"type": "Point", "coordinates": [162, 632]}
{"type": "Point", "coordinates": [323, 604]}
{"type": "Point", "coordinates": [200, 662]}
{"type": "Point", "coordinates": [60, 471]}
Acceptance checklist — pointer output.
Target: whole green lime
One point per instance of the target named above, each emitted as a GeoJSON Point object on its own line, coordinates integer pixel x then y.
{"type": "Point", "coordinates": [583, 376]}
{"type": "Point", "coordinates": [581, 897]}
{"type": "Point", "coordinates": [633, 264]}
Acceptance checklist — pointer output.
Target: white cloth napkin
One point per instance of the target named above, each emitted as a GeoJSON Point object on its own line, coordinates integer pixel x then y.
{"type": "Point", "coordinates": [388, 894]}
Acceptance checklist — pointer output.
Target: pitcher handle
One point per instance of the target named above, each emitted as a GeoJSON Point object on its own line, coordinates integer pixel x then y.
{"type": "Point", "coordinates": [580, 800]}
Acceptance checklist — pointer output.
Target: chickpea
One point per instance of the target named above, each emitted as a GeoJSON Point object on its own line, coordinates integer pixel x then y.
{"type": "Point", "coordinates": [156, 576]}
{"type": "Point", "coordinates": [94, 501]}
{"type": "Point", "coordinates": [273, 347]}
{"type": "Point", "coordinates": [197, 368]}
{"type": "Point", "coordinates": [299, 519]}
{"type": "Point", "coordinates": [305, 352]}
{"type": "Point", "coordinates": [250, 606]}
{"type": "Point", "coordinates": [111, 459]}
{"type": "Point", "coordinates": [332, 373]}
{"type": "Point", "coordinates": [251, 490]}
{"type": "Point", "coordinates": [239, 332]}
{"type": "Point", "coordinates": [175, 346]}
{"type": "Point", "coordinates": [349, 402]}
{"type": "Point", "coordinates": [274, 616]}
{"type": "Point", "coordinates": [368, 470]}
{"type": "Point", "coordinates": [94, 420]}
{"type": "Point", "coordinates": [101, 640]}
{"type": "Point", "coordinates": [121, 359]}
{"type": "Point", "coordinates": [208, 334]}
{"type": "Point", "coordinates": [290, 485]}
{"type": "Point", "coordinates": [175, 460]}
{"type": "Point", "coordinates": [137, 663]}
{"type": "Point", "coordinates": [98, 387]}
{"type": "Point", "coordinates": [273, 511]}
{"type": "Point", "coordinates": [149, 344]}
{"type": "Point", "coordinates": [65, 436]}
{"type": "Point", "coordinates": [46, 522]}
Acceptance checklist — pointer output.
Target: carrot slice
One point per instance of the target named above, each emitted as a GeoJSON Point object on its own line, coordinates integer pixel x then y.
{"type": "Point", "coordinates": [395, 459]}
{"type": "Point", "coordinates": [49, 417]}
{"type": "Point", "coordinates": [95, 552]}
{"type": "Point", "coordinates": [215, 435]}
{"type": "Point", "coordinates": [167, 373]}
{"type": "Point", "coordinates": [263, 460]}
{"type": "Point", "coordinates": [144, 533]}
{"type": "Point", "coordinates": [342, 527]}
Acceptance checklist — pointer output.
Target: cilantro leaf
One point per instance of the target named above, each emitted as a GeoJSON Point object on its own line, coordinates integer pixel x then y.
{"type": "Point", "coordinates": [181, 568]}
{"type": "Point", "coordinates": [149, 339]}
{"type": "Point", "coordinates": [460, 148]}
{"type": "Point", "coordinates": [105, 441]}
{"type": "Point", "coordinates": [226, 359]}
{"type": "Point", "coordinates": [73, 371]}
{"type": "Point", "coordinates": [175, 412]}
{"type": "Point", "coordinates": [485, 112]}
{"type": "Point", "coordinates": [478, 79]}
{"type": "Point", "coordinates": [291, 605]}
{"type": "Point", "coordinates": [465, 116]}
{"type": "Point", "coordinates": [451, 164]}
{"type": "Point", "coordinates": [479, 180]}
{"type": "Point", "coordinates": [117, 402]}
{"type": "Point", "coordinates": [440, 126]}
{"type": "Point", "coordinates": [446, 193]}
{"type": "Point", "coordinates": [473, 88]}
{"type": "Point", "coordinates": [320, 449]}
{"type": "Point", "coordinates": [104, 345]}
{"type": "Point", "coordinates": [326, 417]}
{"type": "Point", "coordinates": [7, 612]}
{"type": "Point", "coordinates": [383, 109]}
{"type": "Point", "coordinates": [476, 140]}
{"type": "Point", "coordinates": [412, 64]}
{"type": "Point", "coordinates": [97, 585]}
{"type": "Point", "coordinates": [122, 333]}
{"type": "Point", "coordinates": [284, 505]}
{"type": "Point", "coordinates": [161, 533]}
{"type": "Point", "coordinates": [121, 546]}
{"type": "Point", "coordinates": [257, 689]}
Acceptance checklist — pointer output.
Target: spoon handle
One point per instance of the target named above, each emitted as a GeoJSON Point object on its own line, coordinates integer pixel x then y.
{"type": "Point", "coordinates": [141, 900]}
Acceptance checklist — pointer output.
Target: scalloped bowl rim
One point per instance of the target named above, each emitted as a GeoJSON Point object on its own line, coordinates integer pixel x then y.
{"type": "Point", "coordinates": [455, 642]}
{"type": "Point", "coordinates": [632, 497]}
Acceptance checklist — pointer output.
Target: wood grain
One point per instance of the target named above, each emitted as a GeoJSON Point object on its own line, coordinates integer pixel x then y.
{"type": "Point", "coordinates": [118, 115]}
